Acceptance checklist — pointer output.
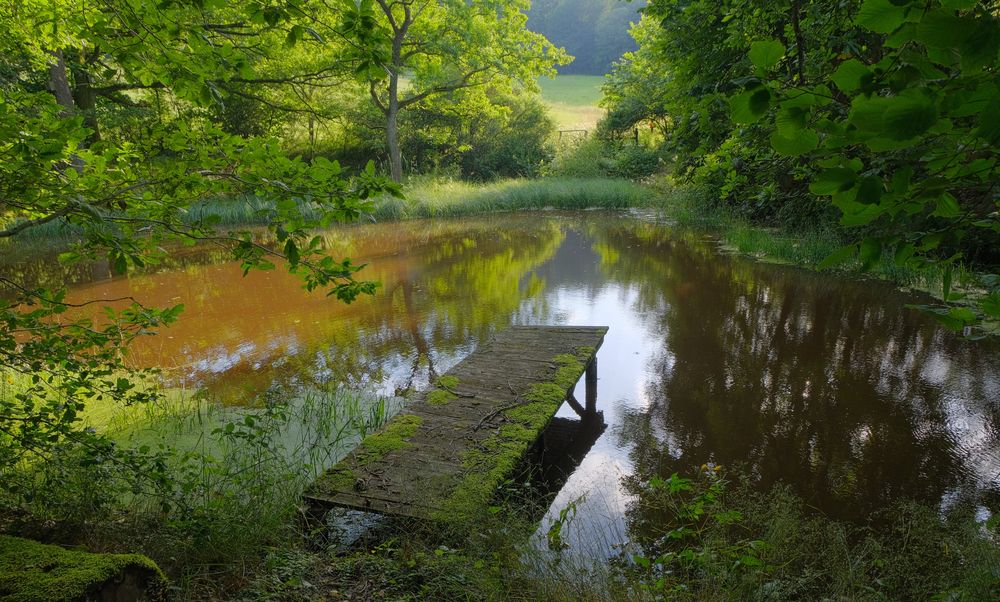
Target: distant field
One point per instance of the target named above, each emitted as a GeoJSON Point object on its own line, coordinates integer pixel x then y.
{"type": "Point", "coordinates": [572, 100]}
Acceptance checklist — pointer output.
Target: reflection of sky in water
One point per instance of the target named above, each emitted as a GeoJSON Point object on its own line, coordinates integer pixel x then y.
{"type": "Point", "coordinates": [829, 385]}
{"type": "Point", "coordinates": [595, 486]}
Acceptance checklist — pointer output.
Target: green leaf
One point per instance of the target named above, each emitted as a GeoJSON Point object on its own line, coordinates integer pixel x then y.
{"type": "Point", "coordinates": [832, 181]}
{"type": "Point", "coordinates": [991, 305]}
{"type": "Point", "coordinates": [870, 252]}
{"type": "Point", "coordinates": [795, 144]}
{"type": "Point", "coordinates": [963, 314]}
{"type": "Point", "coordinates": [867, 113]}
{"type": "Point", "coordinates": [903, 254]}
{"type": "Point", "coordinates": [943, 29]}
{"type": "Point", "coordinates": [870, 190]}
{"type": "Point", "coordinates": [901, 179]}
{"type": "Point", "coordinates": [860, 215]}
{"type": "Point", "coordinates": [838, 257]}
{"type": "Point", "coordinates": [907, 117]}
{"type": "Point", "coordinates": [765, 54]}
{"type": "Point", "coordinates": [749, 106]}
{"type": "Point", "coordinates": [851, 75]}
{"type": "Point", "coordinates": [989, 125]}
{"type": "Point", "coordinates": [947, 206]}
{"type": "Point", "coordinates": [790, 120]}
{"type": "Point", "coordinates": [881, 16]}
{"type": "Point", "coordinates": [799, 100]}
{"type": "Point", "coordinates": [979, 49]}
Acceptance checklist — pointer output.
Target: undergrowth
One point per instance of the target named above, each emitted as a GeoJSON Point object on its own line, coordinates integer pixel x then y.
{"type": "Point", "coordinates": [235, 478]}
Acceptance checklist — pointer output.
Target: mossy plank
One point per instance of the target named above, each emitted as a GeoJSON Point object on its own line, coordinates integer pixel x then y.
{"type": "Point", "coordinates": [444, 456]}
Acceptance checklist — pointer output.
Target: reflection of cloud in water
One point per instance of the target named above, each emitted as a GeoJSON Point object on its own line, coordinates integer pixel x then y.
{"type": "Point", "coordinates": [600, 502]}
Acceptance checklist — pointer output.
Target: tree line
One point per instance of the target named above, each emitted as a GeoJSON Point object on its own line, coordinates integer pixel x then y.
{"type": "Point", "coordinates": [875, 117]}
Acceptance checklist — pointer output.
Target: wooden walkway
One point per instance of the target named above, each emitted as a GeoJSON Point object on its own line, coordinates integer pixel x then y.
{"type": "Point", "coordinates": [445, 455]}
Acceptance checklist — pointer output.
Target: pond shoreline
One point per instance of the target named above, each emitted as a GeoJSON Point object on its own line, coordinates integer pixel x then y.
{"type": "Point", "coordinates": [490, 559]}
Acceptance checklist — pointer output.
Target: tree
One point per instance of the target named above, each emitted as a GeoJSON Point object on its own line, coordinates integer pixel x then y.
{"type": "Point", "coordinates": [407, 51]}
{"type": "Point", "coordinates": [901, 134]}
{"type": "Point", "coordinates": [127, 191]}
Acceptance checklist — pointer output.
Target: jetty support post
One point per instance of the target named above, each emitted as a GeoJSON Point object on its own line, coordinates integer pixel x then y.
{"type": "Point", "coordinates": [591, 383]}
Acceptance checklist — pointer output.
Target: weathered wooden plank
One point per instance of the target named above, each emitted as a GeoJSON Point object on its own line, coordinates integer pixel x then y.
{"type": "Point", "coordinates": [448, 441]}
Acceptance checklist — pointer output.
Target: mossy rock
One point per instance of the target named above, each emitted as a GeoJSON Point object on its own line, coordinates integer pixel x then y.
{"type": "Point", "coordinates": [35, 572]}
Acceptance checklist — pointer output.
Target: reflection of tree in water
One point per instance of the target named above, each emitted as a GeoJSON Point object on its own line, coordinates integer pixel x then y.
{"type": "Point", "coordinates": [461, 284]}
{"type": "Point", "coordinates": [444, 286]}
{"type": "Point", "coordinates": [824, 384]}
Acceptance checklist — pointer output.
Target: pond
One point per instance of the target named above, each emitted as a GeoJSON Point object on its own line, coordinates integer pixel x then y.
{"type": "Point", "coordinates": [825, 383]}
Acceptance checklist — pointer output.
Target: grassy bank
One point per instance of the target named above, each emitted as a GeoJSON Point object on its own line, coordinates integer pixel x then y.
{"type": "Point", "coordinates": [449, 198]}
{"type": "Point", "coordinates": [698, 538]}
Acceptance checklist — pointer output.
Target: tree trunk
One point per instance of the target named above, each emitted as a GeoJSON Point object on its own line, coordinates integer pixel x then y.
{"type": "Point", "coordinates": [86, 102]}
{"type": "Point", "coordinates": [392, 108]}
{"type": "Point", "coordinates": [392, 135]}
{"type": "Point", "coordinates": [59, 83]}
{"type": "Point", "coordinates": [800, 42]}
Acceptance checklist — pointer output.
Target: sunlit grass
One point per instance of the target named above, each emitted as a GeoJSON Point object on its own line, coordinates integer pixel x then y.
{"type": "Point", "coordinates": [572, 100]}
{"type": "Point", "coordinates": [427, 198]}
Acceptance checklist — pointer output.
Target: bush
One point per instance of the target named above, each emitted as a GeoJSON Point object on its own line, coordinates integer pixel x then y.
{"type": "Point", "coordinates": [704, 538]}
{"type": "Point", "coordinates": [598, 158]}
{"type": "Point", "coordinates": [448, 139]}
{"type": "Point", "coordinates": [635, 162]}
{"type": "Point", "coordinates": [517, 147]}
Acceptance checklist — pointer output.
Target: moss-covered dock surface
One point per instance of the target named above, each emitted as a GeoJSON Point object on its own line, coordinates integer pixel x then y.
{"type": "Point", "coordinates": [445, 455]}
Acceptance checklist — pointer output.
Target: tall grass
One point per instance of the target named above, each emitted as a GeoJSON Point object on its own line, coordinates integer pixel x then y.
{"type": "Point", "coordinates": [448, 198]}
{"type": "Point", "coordinates": [235, 477]}
{"type": "Point", "coordinates": [240, 476]}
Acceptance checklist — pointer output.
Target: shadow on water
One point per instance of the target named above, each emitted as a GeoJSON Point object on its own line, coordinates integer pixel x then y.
{"type": "Point", "coordinates": [824, 383]}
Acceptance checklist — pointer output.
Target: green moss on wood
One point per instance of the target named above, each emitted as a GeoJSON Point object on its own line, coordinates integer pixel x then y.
{"type": "Point", "coordinates": [34, 572]}
{"type": "Point", "coordinates": [440, 397]}
{"type": "Point", "coordinates": [336, 479]}
{"type": "Point", "coordinates": [566, 359]}
{"type": "Point", "coordinates": [486, 467]}
{"type": "Point", "coordinates": [447, 381]}
{"type": "Point", "coordinates": [394, 436]}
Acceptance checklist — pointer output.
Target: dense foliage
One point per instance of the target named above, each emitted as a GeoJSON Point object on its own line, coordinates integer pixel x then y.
{"type": "Point", "coordinates": [886, 108]}
{"type": "Point", "coordinates": [105, 127]}
{"type": "Point", "coordinates": [463, 133]}
{"type": "Point", "coordinates": [408, 51]}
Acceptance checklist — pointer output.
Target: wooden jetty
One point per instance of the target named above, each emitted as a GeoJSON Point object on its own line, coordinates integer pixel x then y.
{"type": "Point", "coordinates": [446, 453]}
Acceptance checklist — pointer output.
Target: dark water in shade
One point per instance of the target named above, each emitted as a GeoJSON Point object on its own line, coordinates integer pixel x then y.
{"type": "Point", "coordinates": [824, 383]}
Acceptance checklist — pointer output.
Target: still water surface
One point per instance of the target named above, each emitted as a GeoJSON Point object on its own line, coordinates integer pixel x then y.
{"type": "Point", "coordinates": [824, 383]}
